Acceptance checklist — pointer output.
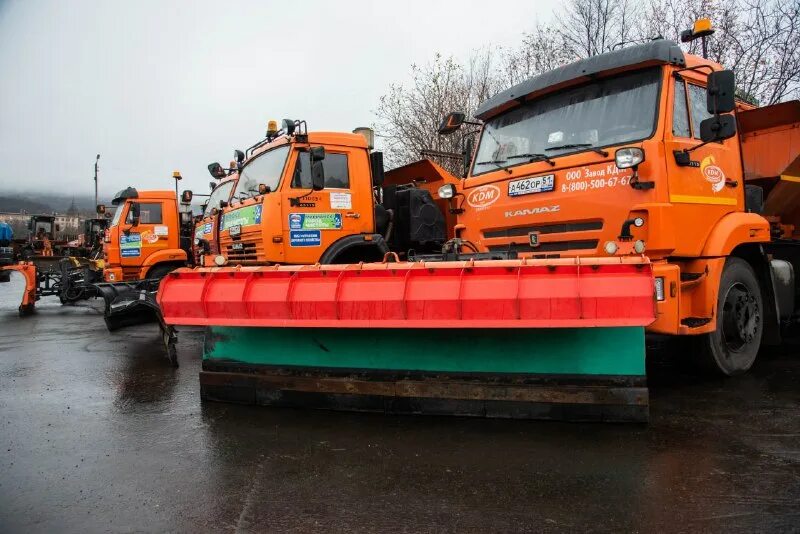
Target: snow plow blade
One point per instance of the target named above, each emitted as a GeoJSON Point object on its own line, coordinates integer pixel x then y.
{"type": "Point", "coordinates": [129, 303]}
{"type": "Point", "coordinates": [547, 339]}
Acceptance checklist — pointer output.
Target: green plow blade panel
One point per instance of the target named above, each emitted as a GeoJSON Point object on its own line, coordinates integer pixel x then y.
{"type": "Point", "coordinates": [616, 351]}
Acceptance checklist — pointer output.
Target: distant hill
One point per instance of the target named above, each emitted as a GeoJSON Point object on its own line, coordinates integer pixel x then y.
{"type": "Point", "coordinates": [47, 203]}
{"type": "Point", "coordinates": [15, 204]}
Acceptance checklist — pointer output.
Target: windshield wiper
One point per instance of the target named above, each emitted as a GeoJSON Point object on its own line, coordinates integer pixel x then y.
{"type": "Point", "coordinates": [535, 157]}
{"type": "Point", "coordinates": [496, 163]}
{"type": "Point", "coordinates": [581, 145]}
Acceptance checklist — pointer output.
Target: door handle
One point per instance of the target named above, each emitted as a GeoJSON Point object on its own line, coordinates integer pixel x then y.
{"type": "Point", "coordinates": [352, 215]}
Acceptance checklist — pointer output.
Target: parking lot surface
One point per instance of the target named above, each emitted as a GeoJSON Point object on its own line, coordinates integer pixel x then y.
{"type": "Point", "coordinates": [99, 433]}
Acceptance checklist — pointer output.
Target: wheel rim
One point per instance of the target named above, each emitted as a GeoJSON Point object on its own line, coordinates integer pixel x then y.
{"type": "Point", "coordinates": [741, 317]}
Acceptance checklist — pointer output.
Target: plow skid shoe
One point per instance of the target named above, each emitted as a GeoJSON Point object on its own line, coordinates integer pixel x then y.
{"type": "Point", "coordinates": [559, 293]}
{"type": "Point", "coordinates": [128, 304]}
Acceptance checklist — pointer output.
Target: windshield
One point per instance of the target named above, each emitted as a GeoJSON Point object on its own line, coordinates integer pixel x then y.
{"type": "Point", "coordinates": [603, 113]}
{"type": "Point", "coordinates": [117, 215]}
{"type": "Point", "coordinates": [265, 169]}
{"type": "Point", "coordinates": [221, 192]}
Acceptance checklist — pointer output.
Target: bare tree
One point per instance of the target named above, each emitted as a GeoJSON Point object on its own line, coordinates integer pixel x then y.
{"type": "Point", "coordinates": [408, 117]}
{"type": "Point", "coordinates": [758, 39]}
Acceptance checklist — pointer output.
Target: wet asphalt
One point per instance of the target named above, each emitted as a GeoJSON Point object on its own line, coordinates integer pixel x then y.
{"type": "Point", "coordinates": [99, 433]}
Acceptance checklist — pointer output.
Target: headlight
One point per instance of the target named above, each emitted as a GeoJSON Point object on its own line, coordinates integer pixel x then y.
{"type": "Point", "coordinates": [610, 248]}
{"type": "Point", "coordinates": [659, 288]}
{"type": "Point", "coordinates": [447, 191]}
{"type": "Point", "coordinates": [638, 246]}
{"type": "Point", "coordinates": [628, 157]}
{"type": "Point", "coordinates": [219, 260]}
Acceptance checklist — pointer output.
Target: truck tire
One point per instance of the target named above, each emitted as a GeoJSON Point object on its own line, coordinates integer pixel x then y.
{"type": "Point", "coordinates": [732, 348]}
{"type": "Point", "coordinates": [158, 272]}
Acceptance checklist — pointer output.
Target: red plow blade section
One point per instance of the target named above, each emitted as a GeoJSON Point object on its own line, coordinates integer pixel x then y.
{"type": "Point", "coordinates": [488, 294]}
{"type": "Point", "coordinates": [573, 292]}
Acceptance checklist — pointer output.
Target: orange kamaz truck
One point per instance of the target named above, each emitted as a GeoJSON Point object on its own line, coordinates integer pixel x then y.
{"type": "Point", "coordinates": [149, 236]}
{"type": "Point", "coordinates": [304, 198]}
{"type": "Point", "coordinates": [647, 150]}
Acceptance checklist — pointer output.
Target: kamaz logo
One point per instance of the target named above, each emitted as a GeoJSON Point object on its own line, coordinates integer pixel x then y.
{"type": "Point", "coordinates": [533, 211]}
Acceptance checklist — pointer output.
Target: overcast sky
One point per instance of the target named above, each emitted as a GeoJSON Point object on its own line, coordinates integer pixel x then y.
{"type": "Point", "coordinates": [155, 86]}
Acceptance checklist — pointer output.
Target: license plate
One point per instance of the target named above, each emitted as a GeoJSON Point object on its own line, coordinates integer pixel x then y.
{"type": "Point", "coordinates": [236, 229]}
{"type": "Point", "coordinates": [534, 184]}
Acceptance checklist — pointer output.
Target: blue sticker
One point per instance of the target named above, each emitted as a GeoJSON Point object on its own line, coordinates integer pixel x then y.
{"type": "Point", "coordinates": [257, 216]}
{"type": "Point", "coordinates": [295, 221]}
{"type": "Point", "coordinates": [207, 228]}
{"type": "Point", "coordinates": [305, 238]}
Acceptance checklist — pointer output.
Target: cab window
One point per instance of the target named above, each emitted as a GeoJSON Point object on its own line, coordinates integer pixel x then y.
{"type": "Point", "coordinates": [149, 213]}
{"type": "Point", "coordinates": [680, 111]}
{"type": "Point", "coordinates": [697, 103]}
{"type": "Point", "coordinates": [336, 171]}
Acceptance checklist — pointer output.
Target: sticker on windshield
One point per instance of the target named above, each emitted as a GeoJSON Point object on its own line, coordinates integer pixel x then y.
{"type": "Point", "coordinates": [130, 246]}
{"type": "Point", "coordinates": [315, 221]}
{"type": "Point", "coordinates": [305, 238]}
{"type": "Point", "coordinates": [161, 230]}
{"type": "Point", "coordinates": [534, 184]}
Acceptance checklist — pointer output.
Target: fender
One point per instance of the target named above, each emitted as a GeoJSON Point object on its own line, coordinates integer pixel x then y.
{"type": "Point", "coordinates": [169, 255]}
{"type": "Point", "coordinates": [353, 241]}
{"type": "Point", "coordinates": [733, 230]}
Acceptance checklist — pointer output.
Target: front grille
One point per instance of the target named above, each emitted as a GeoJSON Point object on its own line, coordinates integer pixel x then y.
{"type": "Point", "coordinates": [560, 228]}
{"type": "Point", "coordinates": [239, 251]}
{"type": "Point", "coordinates": [550, 246]}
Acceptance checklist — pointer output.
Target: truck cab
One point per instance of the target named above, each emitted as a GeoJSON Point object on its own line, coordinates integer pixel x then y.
{"type": "Point", "coordinates": [143, 239]}
{"type": "Point", "coordinates": [320, 197]}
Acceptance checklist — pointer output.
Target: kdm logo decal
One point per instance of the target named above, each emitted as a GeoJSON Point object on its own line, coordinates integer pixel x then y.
{"type": "Point", "coordinates": [713, 174]}
{"type": "Point", "coordinates": [484, 196]}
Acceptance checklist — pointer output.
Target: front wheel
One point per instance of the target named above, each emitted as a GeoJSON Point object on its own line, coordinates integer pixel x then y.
{"type": "Point", "coordinates": [160, 271]}
{"type": "Point", "coordinates": [732, 348]}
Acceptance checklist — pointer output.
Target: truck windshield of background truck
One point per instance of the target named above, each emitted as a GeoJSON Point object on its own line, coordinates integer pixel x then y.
{"type": "Point", "coordinates": [117, 215]}
{"type": "Point", "coordinates": [221, 192]}
{"type": "Point", "coordinates": [265, 169]}
{"type": "Point", "coordinates": [607, 112]}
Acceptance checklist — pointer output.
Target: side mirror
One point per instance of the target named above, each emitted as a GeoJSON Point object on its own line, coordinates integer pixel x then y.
{"type": "Point", "coordinates": [469, 146]}
{"type": "Point", "coordinates": [376, 165]}
{"type": "Point", "coordinates": [186, 196]}
{"type": "Point", "coordinates": [239, 155]}
{"type": "Point", "coordinates": [135, 211]}
{"type": "Point", "coordinates": [717, 128]}
{"type": "Point", "coordinates": [317, 176]}
{"type": "Point", "coordinates": [452, 122]}
{"type": "Point", "coordinates": [317, 153]}
{"type": "Point", "coordinates": [216, 170]}
{"type": "Point", "coordinates": [101, 208]}
{"type": "Point", "coordinates": [720, 92]}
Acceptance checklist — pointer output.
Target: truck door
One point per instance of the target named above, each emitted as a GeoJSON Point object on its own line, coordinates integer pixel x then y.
{"type": "Point", "coordinates": [711, 185]}
{"type": "Point", "coordinates": [314, 220]}
{"type": "Point", "coordinates": [138, 241]}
